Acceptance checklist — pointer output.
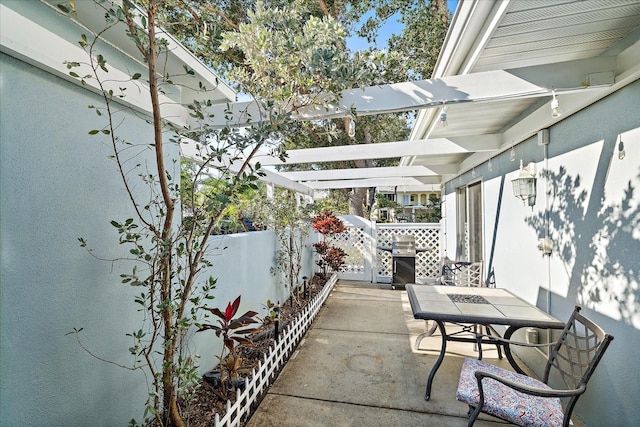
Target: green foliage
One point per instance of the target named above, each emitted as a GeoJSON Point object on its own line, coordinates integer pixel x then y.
{"type": "Point", "coordinates": [413, 53]}
{"type": "Point", "coordinates": [293, 57]}
{"type": "Point", "coordinates": [165, 257]}
{"type": "Point", "coordinates": [289, 55]}
{"type": "Point", "coordinates": [383, 202]}
{"type": "Point", "coordinates": [290, 221]}
{"type": "Point", "coordinates": [336, 202]}
{"type": "Point", "coordinates": [289, 52]}
{"type": "Point", "coordinates": [273, 310]}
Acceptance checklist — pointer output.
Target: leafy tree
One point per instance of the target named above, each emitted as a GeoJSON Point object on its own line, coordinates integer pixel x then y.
{"type": "Point", "coordinates": [290, 221]}
{"type": "Point", "coordinates": [413, 53]}
{"type": "Point", "coordinates": [167, 256]}
{"type": "Point", "coordinates": [267, 49]}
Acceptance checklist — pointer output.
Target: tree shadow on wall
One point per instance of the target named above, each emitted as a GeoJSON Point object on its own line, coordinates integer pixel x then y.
{"type": "Point", "coordinates": [599, 244]}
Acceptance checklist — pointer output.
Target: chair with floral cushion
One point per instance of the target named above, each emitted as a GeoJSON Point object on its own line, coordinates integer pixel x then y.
{"type": "Point", "coordinates": [526, 401]}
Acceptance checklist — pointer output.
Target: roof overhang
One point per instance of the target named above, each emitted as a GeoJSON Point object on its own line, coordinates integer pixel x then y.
{"type": "Point", "coordinates": [39, 34]}
{"type": "Point", "coordinates": [483, 87]}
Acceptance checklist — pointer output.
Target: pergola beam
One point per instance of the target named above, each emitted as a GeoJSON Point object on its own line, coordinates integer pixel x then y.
{"type": "Point", "coordinates": [360, 173]}
{"type": "Point", "coordinates": [488, 86]}
{"type": "Point", "coordinates": [190, 151]}
{"type": "Point", "coordinates": [386, 150]}
{"type": "Point", "coordinates": [374, 182]}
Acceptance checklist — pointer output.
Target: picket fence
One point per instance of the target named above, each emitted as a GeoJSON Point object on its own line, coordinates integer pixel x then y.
{"type": "Point", "coordinates": [278, 355]}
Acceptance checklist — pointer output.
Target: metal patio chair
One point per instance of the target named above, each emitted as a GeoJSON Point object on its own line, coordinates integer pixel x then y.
{"type": "Point", "coordinates": [461, 273]}
{"type": "Point", "coordinates": [526, 401]}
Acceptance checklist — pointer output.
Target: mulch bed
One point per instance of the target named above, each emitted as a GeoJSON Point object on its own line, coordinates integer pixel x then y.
{"type": "Point", "coordinates": [200, 411]}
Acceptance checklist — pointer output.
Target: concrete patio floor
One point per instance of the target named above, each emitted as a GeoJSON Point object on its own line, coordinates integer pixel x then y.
{"type": "Point", "coordinates": [356, 366]}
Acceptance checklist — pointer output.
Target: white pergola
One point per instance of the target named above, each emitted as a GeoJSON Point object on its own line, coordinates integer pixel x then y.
{"type": "Point", "coordinates": [500, 66]}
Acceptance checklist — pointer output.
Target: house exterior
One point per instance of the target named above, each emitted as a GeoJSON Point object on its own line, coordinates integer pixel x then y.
{"type": "Point", "coordinates": [578, 241]}
{"type": "Point", "coordinates": [408, 206]}
{"type": "Point", "coordinates": [57, 184]}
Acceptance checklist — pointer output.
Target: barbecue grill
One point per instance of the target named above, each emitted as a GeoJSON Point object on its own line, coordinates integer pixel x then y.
{"type": "Point", "coordinates": [403, 252]}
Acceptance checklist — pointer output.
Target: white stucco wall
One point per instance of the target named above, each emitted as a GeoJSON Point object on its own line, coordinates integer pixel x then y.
{"type": "Point", "coordinates": [57, 185]}
{"type": "Point", "coordinates": [594, 212]}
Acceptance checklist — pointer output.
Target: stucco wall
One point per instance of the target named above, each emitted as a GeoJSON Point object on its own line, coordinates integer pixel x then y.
{"type": "Point", "coordinates": [58, 185]}
{"type": "Point", "coordinates": [594, 205]}
{"type": "Point", "coordinates": [243, 265]}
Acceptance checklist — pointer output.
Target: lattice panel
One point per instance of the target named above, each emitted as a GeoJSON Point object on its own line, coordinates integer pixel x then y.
{"type": "Point", "coordinates": [352, 242]}
{"type": "Point", "coordinates": [427, 263]}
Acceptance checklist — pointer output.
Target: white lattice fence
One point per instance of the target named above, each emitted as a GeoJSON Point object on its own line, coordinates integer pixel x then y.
{"type": "Point", "coordinates": [278, 355]}
{"type": "Point", "coordinates": [352, 242]}
{"type": "Point", "coordinates": [426, 235]}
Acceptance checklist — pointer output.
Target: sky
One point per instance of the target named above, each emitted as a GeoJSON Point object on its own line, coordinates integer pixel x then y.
{"type": "Point", "coordinates": [390, 28]}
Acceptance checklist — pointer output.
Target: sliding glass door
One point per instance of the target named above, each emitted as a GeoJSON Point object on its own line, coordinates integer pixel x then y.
{"type": "Point", "coordinates": [469, 223]}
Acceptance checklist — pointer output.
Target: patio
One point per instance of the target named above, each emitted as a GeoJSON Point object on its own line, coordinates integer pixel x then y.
{"type": "Point", "coordinates": [356, 366]}
{"type": "Point", "coordinates": [575, 241]}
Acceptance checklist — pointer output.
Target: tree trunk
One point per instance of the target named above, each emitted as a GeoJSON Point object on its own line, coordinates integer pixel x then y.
{"type": "Point", "coordinates": [357, 196]}
{"type": "Point", "coordinates": [356, 201]}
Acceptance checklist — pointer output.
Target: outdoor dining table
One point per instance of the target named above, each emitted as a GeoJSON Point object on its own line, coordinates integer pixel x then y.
{"type": "Point", "coordinates": [467, 306]}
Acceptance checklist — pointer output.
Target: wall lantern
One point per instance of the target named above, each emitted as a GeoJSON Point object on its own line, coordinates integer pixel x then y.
{"type": "Point", "coordinates": [524, 186]}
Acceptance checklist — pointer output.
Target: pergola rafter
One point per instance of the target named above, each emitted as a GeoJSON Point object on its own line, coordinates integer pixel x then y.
{"type": "Point", "coordinates": [490, 86]}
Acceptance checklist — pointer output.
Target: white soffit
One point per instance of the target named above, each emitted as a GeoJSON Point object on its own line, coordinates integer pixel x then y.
{"type": "Point", "coordinates": [521, 34]}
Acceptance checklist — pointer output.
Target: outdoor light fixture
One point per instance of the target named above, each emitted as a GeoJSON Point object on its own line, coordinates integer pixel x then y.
{"type": "Point", "coordinates": [555, 106]}
{"type": "Point", "coordinates": [512, 154]}
{"type": "Point", "coordinates": [351, 128]}
{"type": "Point", "coordinates": [443, 115]}
{"type": "Point", "coordinates": [524, 186]}
{"type": "Point", "coordinates": [621, 152]}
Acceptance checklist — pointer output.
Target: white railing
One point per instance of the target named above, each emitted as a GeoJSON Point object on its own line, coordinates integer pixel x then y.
{"type": "Point", "coordinates": [278, 355]}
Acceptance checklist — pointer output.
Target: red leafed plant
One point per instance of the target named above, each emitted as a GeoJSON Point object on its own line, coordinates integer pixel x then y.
{"type": "Point", "coordinates": [229, 328]}
{"type": "Point", "coordinates": [329, 226]}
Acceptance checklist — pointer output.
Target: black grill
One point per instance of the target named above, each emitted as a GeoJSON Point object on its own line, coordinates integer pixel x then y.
{"type": "Point", "coordinates": [403, 251]}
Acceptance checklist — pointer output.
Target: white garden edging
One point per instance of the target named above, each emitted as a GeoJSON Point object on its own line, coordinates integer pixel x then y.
{"type": "Point", "coordinates": [278, 355]}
